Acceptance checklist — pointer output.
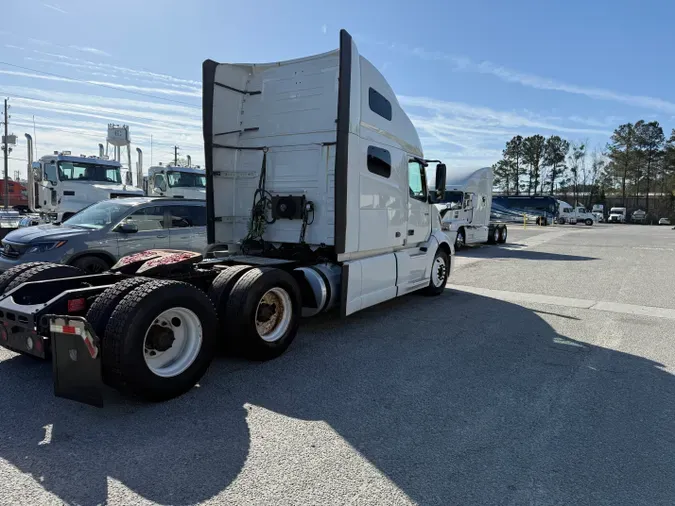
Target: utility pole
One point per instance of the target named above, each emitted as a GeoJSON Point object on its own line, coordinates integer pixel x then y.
{"type": "Point", "coordinates": [175, 155]}
{"type": "Point", "coordinates": [5, 149]}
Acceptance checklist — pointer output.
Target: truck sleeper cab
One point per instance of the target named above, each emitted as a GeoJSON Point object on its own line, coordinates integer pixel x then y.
{"type": "Point", "coordinates": [317, 198]}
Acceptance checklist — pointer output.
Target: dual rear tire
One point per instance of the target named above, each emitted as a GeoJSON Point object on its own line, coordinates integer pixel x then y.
{"type": "Point", "coordinates": [158, 337]}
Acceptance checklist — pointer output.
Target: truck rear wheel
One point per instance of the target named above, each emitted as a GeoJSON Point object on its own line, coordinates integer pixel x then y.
{"type": "Point", "coordinates": [160, 340]}
{"type": "Point", "coordinates": [44, 272]}
{"type": "Point", "coordinates": [10, 274]}
{"type": "Point", "coordinates": [105, 304]}
{"type": "Point", "coordinates": [219, 292]}
{"type": "Point", "coordinates": [440, 268]}
{"type": "Point", "coordinates": [263, 312]}
{"type": "Point", "coordinates": [503, 233]}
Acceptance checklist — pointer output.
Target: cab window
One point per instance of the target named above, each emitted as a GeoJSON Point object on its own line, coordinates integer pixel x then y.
{"type": "Point", "coordinates": [50, 172]}
{"type": "Point", "coordinates": [158, 182]}
{"type": "Point", "coordinates": [416, 181]}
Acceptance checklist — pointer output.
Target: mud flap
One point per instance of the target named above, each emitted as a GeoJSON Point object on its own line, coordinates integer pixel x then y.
{"type": "Point", "coordinates": [76, 360]}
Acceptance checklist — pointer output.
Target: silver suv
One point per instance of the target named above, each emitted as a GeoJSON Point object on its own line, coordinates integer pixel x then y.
{"type": "Point", "coordinates": [97, 236]}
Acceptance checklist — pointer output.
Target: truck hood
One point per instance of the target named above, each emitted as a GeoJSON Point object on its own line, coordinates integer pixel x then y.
{"type": "Point", "coordinates": [42, 233]}
{"type": "Point", "coordinates": [118, 188]}
{"type": "Point", "coordinates": [189, 193]}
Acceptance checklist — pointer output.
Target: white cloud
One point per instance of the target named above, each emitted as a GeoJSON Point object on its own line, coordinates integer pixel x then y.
{"type": "Point", "coordinates": [55, 8]}
{"type": "Point", "coordinates": [12, 46]}
{"type": "Point", "coordinates": [464, 64]}
{"type": "Point", "coordinates": [91, 50]}
{"type": "Point", "coordinates": [324, 29]}
{"type": "Point", "coordinates": [195, 92]}
{"type": "Point", "coordinates": [463, 135]}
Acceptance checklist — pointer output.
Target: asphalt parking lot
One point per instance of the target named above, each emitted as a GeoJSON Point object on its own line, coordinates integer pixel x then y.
{"type": "Point", "coordinates": [544, 375]}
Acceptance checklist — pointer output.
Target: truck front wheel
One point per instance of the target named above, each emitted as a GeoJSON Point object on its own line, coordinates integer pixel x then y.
{"type": "Point", "coordinates": [460, 239]}
{"type": "Point", "coordinates": [440, 269]}
{"type": "Point", "coordinates": [160, 340]}
{"type": "Point", "coordinates": [263, 312]}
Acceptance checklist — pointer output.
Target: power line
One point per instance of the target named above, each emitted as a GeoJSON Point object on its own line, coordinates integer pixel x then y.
{"type": "Point", "coordinates": [95, 84]}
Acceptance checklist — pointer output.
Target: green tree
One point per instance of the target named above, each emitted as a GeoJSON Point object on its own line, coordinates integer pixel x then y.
{"type": "Point", "coordinates": [513, 154]}
{"type": "Point", "coordinates": [502, 175]}
{"type": "Point", "coordinates": [555, 152]}
{"type": "Point", "coordinates": [621, 150]}
{"type": "Point", "coordinates": [650, 141]}
{"type": "Point", "coordinates": [533, 154]}
{"type": "Point", "coordinates": [576, 162]}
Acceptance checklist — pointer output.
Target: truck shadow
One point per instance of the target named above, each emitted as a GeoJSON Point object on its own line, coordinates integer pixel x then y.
{"type": "Point", "coordinates": [517, 251]}
{"type": "Point", "coordinates": [457, 399]}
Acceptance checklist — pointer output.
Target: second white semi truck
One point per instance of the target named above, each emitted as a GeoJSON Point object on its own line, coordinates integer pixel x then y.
{"type": "Point", "coordinates": [465, 208]}
{"type": "Point", "coordinates": [317, 198]}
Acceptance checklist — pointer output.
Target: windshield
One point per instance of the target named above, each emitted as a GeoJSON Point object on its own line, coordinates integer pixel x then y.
{"type": "Point", "coordinates": [453, 196]}
{"type": "Point", "coordinates": [79, 171]}
{"type": "Point", "coordinates": [100, 215]}
{"type": "Point", "coordinates": [186, 179]}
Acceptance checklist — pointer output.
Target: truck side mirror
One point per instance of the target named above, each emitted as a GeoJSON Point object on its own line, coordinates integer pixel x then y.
{"type": "Point", "coordinates": [128, 179]}
{"type": "Point", "coordinates": [37, 171]}
{"type": "Point", "coordinates": [440, 178]}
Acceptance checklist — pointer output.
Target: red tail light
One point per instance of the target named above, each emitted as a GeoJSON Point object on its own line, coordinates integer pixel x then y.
{"type": "Point", "coordinates": [75, 305]}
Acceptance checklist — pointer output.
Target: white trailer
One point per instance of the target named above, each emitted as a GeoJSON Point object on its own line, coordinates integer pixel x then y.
{"type": "Point", "coordinates": [60, 184]}
{"type": "Point", "coordinates": [317, 187]}
{"type": "Point", "coordinates": [465, 208]}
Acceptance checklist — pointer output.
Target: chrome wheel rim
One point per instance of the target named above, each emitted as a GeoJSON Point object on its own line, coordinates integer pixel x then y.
{"type": "Point", "coordinates": [439, 271]}
{"type": "Point", "coordinates": [459, 241]}
{"type": "Point", "coordinates": [273, 314]}
{"type": "Point", "coordinates": [172, 342]}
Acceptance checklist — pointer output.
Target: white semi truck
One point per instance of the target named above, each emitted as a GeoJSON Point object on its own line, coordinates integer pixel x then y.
{"type": "Point", "coordinates": [176, 182]}
{"type": "Point", "coordinates": [567, 214]}
{"type": "Point", "coordinates": [317, 198]}
{"type": "Point", "coordinates": [465, 208]}
{"type": "Point", "coordinates": [617, 215]}
{"type": "Point", "coordinates": [60, 184]}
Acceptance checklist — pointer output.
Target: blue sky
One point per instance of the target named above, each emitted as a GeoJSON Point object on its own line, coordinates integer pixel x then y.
{"type": "Point", "coordinates": [470, 74]}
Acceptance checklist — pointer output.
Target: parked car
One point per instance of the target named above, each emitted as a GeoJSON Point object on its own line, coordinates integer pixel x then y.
{"type": "Point", "coordinates": [664, 221]}
{"type": "Point", "coordinates": [98, 235]}
{"type": "Point", "coordinates": [638, 216]}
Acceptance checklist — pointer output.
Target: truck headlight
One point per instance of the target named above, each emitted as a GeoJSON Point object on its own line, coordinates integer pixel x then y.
{"type": "Point", "coordinates": [42, 247]}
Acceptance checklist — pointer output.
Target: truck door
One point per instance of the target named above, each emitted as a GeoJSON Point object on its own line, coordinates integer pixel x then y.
{"type": "Point", "coordinates": [468, 216]}
{"type": "Point", "coordinates": [419, 221]}
{"type": "Point", "coordinates": [49, 189]}
{"type": "Point", "coordinates": [418, 228]}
